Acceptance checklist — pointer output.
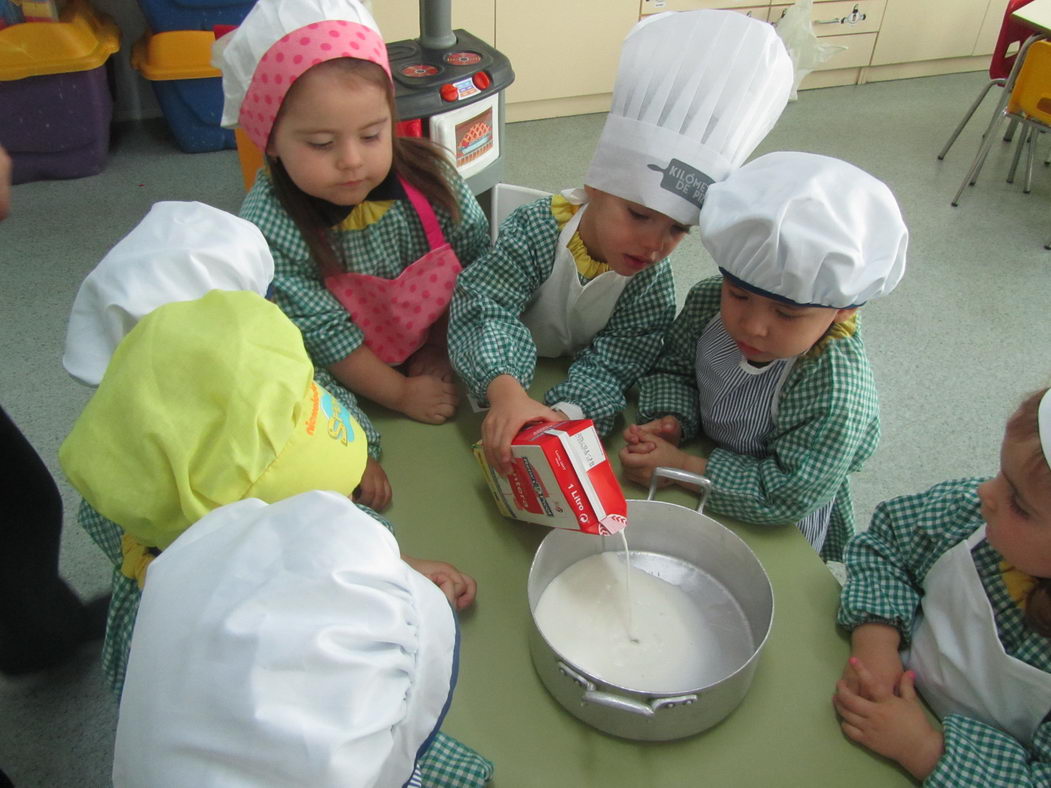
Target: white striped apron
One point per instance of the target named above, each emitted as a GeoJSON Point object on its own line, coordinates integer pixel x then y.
{"type": "Point", "coordinates": [738, 405]}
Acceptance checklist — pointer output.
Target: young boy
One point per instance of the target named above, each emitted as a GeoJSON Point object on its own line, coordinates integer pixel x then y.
{"type": "Point", "coordinates": [585, 273]}
{"type": "Point", "coordinates": [948, 595]}
{"type": "Point", "coordinates": [767, 360]}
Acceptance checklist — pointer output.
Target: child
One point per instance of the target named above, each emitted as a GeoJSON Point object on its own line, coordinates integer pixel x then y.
{"type": "Point", "coordinates": [368, 230]}
{"type": "Point", "coordinates": [182, 424]}
{"type": "Point", "coordinates": [329, 660]}
{"type": "Point", "coordinates": [178, 252]}
{"type": "Point", "coordinates": [767, 359]}
{"type": "Point", "coordinates": [585, 273]}
{"type": "Point", "coordinates": [949, 593]}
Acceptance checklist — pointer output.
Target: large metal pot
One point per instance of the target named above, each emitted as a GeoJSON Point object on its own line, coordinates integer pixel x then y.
{"type": "Point", "coordinates": [707, 561]}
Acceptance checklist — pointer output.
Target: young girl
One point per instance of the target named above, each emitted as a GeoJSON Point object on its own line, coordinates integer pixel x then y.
{"type": "Point", "coordinates": [368, 230]}
{"type": "Point", "coordinates": [767, 359]}
{"type": "Point", "coordinates": [949, 593]}
{"type": "Point", "coordinates": [586, 273]}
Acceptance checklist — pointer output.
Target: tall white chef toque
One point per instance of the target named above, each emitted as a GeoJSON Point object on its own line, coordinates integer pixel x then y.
{"type": "Point", "coordinates": [178, 252]}
{"type": "Point", "coordinates": [696, 92]}
{"type": "Point", "coordinates": [808, 229]}
{"type": "Point", "coordinates": [284, 644]}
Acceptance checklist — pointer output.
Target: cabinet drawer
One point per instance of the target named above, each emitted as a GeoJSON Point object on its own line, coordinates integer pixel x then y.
{"type": "Point", "coordinates": [841, 17]}
{"type": "Point", "coordinates": [858, 51]}
{"type": "Point", "coordinates": [755, 8]}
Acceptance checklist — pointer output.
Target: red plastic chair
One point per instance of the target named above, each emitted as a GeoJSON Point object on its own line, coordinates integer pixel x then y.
{"type": "Point", "coordinates": [1012, 33]}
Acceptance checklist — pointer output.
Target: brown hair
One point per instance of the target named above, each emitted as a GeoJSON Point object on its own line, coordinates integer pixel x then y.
{"type": "Point", "coordinates": [419, 161]}
{"type": "Point", "coordinates": [1023, 427]}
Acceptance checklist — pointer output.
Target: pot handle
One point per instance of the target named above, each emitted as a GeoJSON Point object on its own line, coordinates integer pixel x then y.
{"type": "Point", "coordinates": [591, 695]}
{"type": "Point", "coordinates": [675, 474]}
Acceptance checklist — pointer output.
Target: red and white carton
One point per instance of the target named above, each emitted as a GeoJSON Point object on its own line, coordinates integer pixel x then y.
{"type": "Point", "coordinates": [561, 478]}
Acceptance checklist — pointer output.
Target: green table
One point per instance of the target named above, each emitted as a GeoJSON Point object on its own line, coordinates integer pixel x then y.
{"type": "Point", "coordinates": [784, 733]}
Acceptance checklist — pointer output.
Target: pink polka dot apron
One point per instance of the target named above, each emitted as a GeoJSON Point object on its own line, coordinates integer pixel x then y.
{"type": "Point", "coordinates": [395, 315]}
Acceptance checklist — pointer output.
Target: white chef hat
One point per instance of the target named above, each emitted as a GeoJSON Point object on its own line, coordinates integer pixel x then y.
{"type": "Point", "coordinates": [284, 644]}
{"type": "Point", "coordinates": [178, 252]}
{"type": "Point", "coordinates": [807, 229]}
{"type": "Point", "coordinates": [696, 92]}
{"type": "Point", "coordinates": [276, 43]}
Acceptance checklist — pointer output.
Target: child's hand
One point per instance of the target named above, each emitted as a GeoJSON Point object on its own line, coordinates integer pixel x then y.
{"type": "Point", "coordinates": [430, 360]}
{"type": "Point", "coordinates": [875, 645]}
{"type": "Point", "coordinates": [374, 489]}
{"type": "Point", "coordinates": [511, 408]}
{"type": "Point", "coordinates": [640, 459]}
{"type": "Point", "coordinates": [894, 726]}
{"type": "Point", "coordinates": [459, 587]}
{"type": "Point", "coordinates": [667, 427]}
{"type": "Point", "coordinates": [428, 399]}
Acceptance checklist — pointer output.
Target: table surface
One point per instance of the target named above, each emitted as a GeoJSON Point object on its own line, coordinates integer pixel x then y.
{"type": "Point", "coordinates": [1036, 15]}
{"type": "Point", "coordinates": [784, 733]}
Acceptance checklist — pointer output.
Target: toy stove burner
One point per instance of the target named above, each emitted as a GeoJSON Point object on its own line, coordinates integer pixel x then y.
{"type": "Point", "coordinates": [419, 70]}
{"type": "Point", "coordinates": [463, 58]}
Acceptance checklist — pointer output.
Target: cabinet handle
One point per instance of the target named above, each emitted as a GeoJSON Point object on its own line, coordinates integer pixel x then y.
{"type": "Point", "coordinates": [852, 18]}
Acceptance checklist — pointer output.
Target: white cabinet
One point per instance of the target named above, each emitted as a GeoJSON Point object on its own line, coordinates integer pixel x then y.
{"type": "Point", "coordinates": [849, 24]}
{"type": "Point", "coordinates": [932, 29]}
{"type": "Point", "coordinates": [562, 50]}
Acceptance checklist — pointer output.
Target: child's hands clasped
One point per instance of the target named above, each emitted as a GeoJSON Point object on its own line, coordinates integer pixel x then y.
{"type": "Point", "coordinates": [430, 360]}
{"type": "Point", "coordinates": [459, 587]}
{"type": "Point", "coordinates": [428, 399]}
{"type": "Point", "coordinates": [655, 445]}
{"type": "Point", "coordinates": [893, 725]}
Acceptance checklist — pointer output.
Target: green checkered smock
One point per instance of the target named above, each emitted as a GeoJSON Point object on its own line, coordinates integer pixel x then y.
{"type": "Point", "coordinates": [826, 426]}
{"type": "Point", "coordinates": [886, 566]}
{"type": "Point", "coordinates": [447, 763]}
{"type": "Point", "coordinates": [382, 248]}
{"type": "Point", "coordinates": [487, 339]}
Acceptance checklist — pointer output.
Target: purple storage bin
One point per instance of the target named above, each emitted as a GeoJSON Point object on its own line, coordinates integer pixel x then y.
{"type": "Point", "coordinates": [165, 15]}
{"type": "Point", "coordinates": [57, 125]}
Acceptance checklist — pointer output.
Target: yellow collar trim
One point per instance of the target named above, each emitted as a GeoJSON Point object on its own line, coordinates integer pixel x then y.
{"type": "Point", "coordinates": [563, 210]}
{"type": "Point", "coordinates": [364, 214]}
{"type": "Point", "coordinates": [835, 331]}
{"type": "Point", "coordinates": [1017, 582]}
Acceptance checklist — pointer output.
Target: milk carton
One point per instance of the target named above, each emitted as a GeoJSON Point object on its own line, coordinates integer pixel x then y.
{"type": "Point", "coordinates": [561, 478]}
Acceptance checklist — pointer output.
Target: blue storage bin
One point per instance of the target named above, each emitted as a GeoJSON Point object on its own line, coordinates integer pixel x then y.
{"type": "Point", "coordinates": [188, 88]}
{"type": "Point", "coordinates": [165, 15]}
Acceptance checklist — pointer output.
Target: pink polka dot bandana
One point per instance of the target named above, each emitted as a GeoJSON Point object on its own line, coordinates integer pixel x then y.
{"type": "Point", "coordinates": [293, 54]}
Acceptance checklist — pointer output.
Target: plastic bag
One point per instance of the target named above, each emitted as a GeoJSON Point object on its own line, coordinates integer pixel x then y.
{"type": "Point", "coordinates": [807, 51]}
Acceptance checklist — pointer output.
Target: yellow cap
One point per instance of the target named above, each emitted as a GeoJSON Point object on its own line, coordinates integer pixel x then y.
{"type": "Point", "coordinates": [204, 403]}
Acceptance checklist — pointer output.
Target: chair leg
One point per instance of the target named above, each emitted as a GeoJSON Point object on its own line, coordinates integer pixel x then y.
{"type": "Point", "coordinates": [1009, 135]}
{"type": "Point", "coordinates": [969, 113]}
{"type": "Point", "coordinates": [1017, 156]}
{"type": "Point", "coordinates": [1029, 160]}
{"type": "Point", "coordinates": [979, 159]}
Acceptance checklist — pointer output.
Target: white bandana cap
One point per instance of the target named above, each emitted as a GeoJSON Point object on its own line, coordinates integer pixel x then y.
{"type": "Point", "coordinates": [284, 644]}
{"type": "Point", "coordinates": [1043, 420]}
{"type": "Point", "coordinates": [696, 92]}
{"type": "Point", "coordinates": [807, 229]}
{"type": "Point", "coordinates": [278, 41]}
{"type": "Point", "coordinates": [178, 252]}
